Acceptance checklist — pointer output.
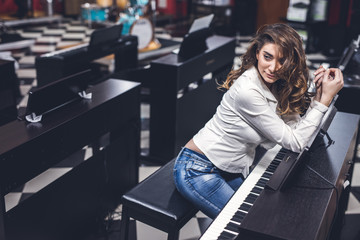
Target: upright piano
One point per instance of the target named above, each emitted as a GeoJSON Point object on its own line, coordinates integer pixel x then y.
{"type": "Point", "coordinates": [9, 91]}
{"type": "Point", "coordinates": [58, 64]}
{"type": "Point", "coordinates": [308, 208]}
{"type": "Point", "coordinates": [180, 87]}
{"type": "Point", "coordinates": [177, 85]}
{"type": "Point", "coordinates": [73, 204]}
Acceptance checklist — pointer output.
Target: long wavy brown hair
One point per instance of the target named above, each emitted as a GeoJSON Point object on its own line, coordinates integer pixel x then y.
{"type": "Point", "coordinates": [293, 75]}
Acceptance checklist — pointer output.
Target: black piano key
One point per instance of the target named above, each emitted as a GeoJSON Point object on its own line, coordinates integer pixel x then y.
{"type": "Point", "coordinates": [275, 163]}
{"type": "Point", "coordinates": [256, 190]}
{"type": "Point", "coordinates": [260, 184]}
{"type": "Point", "coordinates": [283, 150]}
{"type": "Point", "coordinates": [250, 198]}
{"type": "Point", "coordinates": [266, 175]}
{"type": "Point", "coordinates": [237, 219]}
{"type": "Point", "coordinates": [232, 227]}
{"type": "Point", "coordinates": [238, 216]}
{"type": "Point", "coordinates": [262, 181]}
{"type": "Point", "coordinates": [226, 236]}
{"type": "Point", "coordinates": [245, 207]}
{"type": "Point", "coordinates": [271, 169]}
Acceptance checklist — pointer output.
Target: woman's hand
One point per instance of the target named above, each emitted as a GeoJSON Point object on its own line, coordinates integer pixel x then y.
{"type": "Point", "coordinates": [319, 74]}
{"type": "Point", "coordinates": [331, 83]}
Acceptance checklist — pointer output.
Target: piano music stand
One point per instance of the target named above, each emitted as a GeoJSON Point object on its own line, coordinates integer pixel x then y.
{"type": "Point", "coordinates": [285, 172]}
{"type": "Point", "coordinates": [350, 65]}
{"type": "Point", "coordinates": [105, 38]}
{"type": "Point", "coordinates": [57, 94]}
{"type": "Point", "coordinates": [194, 44]}
{"type": "Point", "coordinates": [59, 64]}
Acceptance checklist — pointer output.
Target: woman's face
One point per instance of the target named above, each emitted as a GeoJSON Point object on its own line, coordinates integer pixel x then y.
{"type": "Point", "coordinates": [269, 60]}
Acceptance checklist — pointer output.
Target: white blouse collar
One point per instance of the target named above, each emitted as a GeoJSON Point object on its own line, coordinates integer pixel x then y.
{"type": "Point", "coordinates": [260, 83]}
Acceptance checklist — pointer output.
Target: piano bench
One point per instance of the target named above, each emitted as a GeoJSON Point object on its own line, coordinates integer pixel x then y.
{"type": "Point", "coordinates": [156, 202]}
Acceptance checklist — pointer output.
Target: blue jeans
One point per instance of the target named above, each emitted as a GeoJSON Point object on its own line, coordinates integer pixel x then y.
{"type": "Point", "coordinates": [203, 184]}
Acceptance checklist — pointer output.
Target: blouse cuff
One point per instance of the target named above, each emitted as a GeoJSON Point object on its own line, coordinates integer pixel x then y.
{"type": "Point", "coordinates": [319, 106]}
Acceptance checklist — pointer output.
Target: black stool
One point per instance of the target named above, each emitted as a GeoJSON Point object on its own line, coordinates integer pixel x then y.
{"type": "Point", "coordinates": [156, 202]}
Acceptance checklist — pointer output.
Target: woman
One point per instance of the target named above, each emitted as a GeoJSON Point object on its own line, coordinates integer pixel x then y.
{"type": "Point", "coordinates": [265, 105]}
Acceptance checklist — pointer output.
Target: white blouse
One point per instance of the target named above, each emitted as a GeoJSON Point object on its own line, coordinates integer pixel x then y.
{"type": "Point", "coordinates": [246, 118]}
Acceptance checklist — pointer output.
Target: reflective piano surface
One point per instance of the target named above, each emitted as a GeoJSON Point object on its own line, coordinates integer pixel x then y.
{"type": "Point", "coordinates": [171, 97]}
{"type": "Point", "coordinates": [307, 208]}
{"type": "Point", "coordinates": [55, 65]}
{"type": "Point", "coordinates": [350, 94]}
{"type": "Point", "coordinates": [81, 195]}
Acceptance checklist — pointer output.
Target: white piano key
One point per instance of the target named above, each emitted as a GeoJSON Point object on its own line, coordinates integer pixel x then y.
{"type": "Point", "coordinates": [220, 222]}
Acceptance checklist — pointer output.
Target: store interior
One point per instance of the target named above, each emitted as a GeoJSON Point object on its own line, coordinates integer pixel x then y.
{"type": "Point", "coordinates": [62, 175]}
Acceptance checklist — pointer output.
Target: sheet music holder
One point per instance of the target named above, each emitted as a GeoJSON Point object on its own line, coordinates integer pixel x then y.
{"type": "Point", "coordinates": [100, 40]}
{"type": "Point", "coordinates": [285, 172]}
{"type": "Point", "coordinates": [105, 37]}
{"type": "Point", "coordinates": [348, 54]}
{"type": "Point", "coordinates": [56, 94]}
{"type": "Point", "coordinates": [194, 43]}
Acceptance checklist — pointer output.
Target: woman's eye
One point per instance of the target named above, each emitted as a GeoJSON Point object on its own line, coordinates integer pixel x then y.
{"type": "Point", "coordinates": [267, 57]}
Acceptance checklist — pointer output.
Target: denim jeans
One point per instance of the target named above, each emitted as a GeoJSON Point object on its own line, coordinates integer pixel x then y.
{"type": "Point", "coordinates": [203, 184]}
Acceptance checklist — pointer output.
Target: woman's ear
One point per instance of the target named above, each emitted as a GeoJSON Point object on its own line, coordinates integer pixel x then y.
{"type": "Point", "coordinates": [257, 54]}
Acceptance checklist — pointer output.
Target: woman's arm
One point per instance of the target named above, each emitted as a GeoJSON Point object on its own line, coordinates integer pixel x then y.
{"type": "Point", "coordinates": [255, 110]}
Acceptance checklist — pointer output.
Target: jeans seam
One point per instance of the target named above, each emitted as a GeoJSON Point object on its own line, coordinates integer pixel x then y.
{"type": "Point", "coordinates": [200, 196]}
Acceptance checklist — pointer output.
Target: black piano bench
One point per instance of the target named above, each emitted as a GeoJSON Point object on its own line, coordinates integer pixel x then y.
{"type": "Point", "coordinates": [155, 201]}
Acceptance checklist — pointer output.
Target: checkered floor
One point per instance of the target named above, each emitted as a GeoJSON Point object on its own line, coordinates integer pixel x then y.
{"type": "Point", "coordinates": [69, 32]}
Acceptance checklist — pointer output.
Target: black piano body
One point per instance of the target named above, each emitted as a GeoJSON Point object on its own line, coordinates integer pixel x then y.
{"type": "Point", "coordinates": [172, 97]}
{"type": "Point", "coordinates": [307, 209]}
{"type": "Point", "coordinates": [9, 91]}
{"type": "Point", "coordinates": [350, 65]}
{"type": "Point", "coordinates": [78, 200]}
{"type": "Point", "coordinates": [56, 65]}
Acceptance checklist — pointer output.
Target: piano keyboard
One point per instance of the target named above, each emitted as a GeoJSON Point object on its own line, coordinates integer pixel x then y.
{"type": "Point", "coordinates": [225, 225]}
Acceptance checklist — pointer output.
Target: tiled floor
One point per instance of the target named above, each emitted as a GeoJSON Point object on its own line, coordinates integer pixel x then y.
{"type": "Point", "coordinates": [71, 32]}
